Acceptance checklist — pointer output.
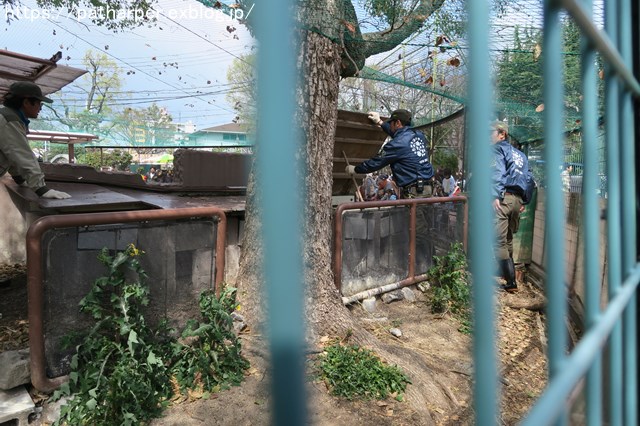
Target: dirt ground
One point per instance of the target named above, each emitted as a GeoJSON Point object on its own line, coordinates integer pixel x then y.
{"type": "Point", "coordinates": [435, 338]}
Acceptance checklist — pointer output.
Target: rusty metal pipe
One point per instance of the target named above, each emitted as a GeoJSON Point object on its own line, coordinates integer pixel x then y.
{"type": "Point", "coordinates": [411, 203]}
{"type": "Point", "coordinates": [412, 239]}
{"type": "Point", "coordinates": [39, 377]}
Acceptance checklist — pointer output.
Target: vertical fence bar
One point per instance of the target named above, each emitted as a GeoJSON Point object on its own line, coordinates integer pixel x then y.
{"type": "Point", "coordinates": [614, 231]}
{"type": "Point", "coordinates": [591, 216]}
{"type": "Point", "coordinates": [481, 238]}
{"type": "Point", "coordinates": [277, 164]}
{"type": "Point", "coordinates": [554, 209]}
{"type": "Point", "coordinates": [628, 216]}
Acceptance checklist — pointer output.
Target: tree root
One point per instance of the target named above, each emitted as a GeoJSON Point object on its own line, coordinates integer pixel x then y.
{"type": "Point", "coordinates": [536, 305]}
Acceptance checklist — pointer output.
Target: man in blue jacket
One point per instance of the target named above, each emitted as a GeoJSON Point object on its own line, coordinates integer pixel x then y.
{"type": "Point", "coordinates": [510, 170]}
{"type": "Point", "coordinates": [407, 153]}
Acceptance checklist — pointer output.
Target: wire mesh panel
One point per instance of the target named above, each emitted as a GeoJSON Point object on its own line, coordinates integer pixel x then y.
{"type": "Point", "coordinates": [376, 242]}
{"type": "Point", "coordinates": [375, 248]}
{"type": "Point", "coordinates": [179, 260]}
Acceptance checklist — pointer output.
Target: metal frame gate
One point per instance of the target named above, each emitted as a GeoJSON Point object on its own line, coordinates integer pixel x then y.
{"type": "Point", "coordinates": [613, 327]}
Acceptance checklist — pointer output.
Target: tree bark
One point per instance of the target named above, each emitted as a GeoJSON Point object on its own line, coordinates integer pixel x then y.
{"type": "Point", "coordinates": [320, 67]}
{"type": "Point", "coordinates": [319, 62]}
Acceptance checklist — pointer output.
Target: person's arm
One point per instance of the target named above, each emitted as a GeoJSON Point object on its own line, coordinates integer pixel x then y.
{"type": "Point", "coordinates": [23, 164]}
{"type": "Point", "coordinates": [22, 161]}
{"type": "Point", "coordinates": [498, 176]}
{"type": "Point", "coordinates": [386, 126]}
{"type": "Point", "coordinates": [390, 153]}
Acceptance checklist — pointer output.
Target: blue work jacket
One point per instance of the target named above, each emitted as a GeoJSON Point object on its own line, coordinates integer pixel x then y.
{"type": "Point", "coordinates": [407, 153]}
{"type": "Point", "coordinates": [510, 168]}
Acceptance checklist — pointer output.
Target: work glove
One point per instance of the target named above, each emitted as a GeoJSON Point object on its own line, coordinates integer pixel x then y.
{"type": "Point", "coordinates": [58, 195]}
{"type": "Point", "coordinates": [350, 170]}
{"type": "Point", "coordinates": [375, 117]}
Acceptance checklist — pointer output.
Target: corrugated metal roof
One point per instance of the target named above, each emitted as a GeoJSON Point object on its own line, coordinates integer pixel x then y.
{"type": "Point", "coordinates": [60, 137]}
{"type": "Point", "coordinates": [50, 76]}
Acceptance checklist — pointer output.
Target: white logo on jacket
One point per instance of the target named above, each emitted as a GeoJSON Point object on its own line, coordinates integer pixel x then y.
{"type": "Point", "coordinates": [418, 148]}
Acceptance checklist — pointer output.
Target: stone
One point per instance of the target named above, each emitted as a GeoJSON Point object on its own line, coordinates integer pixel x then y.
{"type": "Point", "coordinates": [424, 286]}
{"type": "Point", "coordinates": [392, 296]}
{"type": "Point", "coordinates": [14, 369]}
{"type": "Point", "coordinates": [369, 304]}
{"type": "Point", "coordinates": [51, 410]}
{"type": "Point", "coordinates": [237, 317]}
{"type": "Point", "coordinates": [15, 406]}
{"type": "Point", "coordinates": [396, 332]}
{"type": "Point", "coordinates": [408, 294]}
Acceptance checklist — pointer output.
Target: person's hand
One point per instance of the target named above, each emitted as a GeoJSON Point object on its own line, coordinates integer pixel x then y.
{"type": "Point", "coordinates": [350, 170]}
{"type": "Point", "coordinates": [522, 209]}
{"type": "Point", "coordinates": [58, 195]}
{"type": "Point", "coordinates": [496, 205]}
{"type": "Point", "coordinates": [375, 117]}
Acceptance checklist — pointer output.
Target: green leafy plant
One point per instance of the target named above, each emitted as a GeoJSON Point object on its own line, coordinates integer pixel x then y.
{"type": "Point", "coordinates": [450, 290]}
{"type": "Point", "coordinates": [353, 372]}
{"type": "Point", "coordinates": [124, 371]}
{"type": "Point", "coordinates": [117, 159]}
{"type": "Point", "coordinates": [212, 359]}
{"type": "Point", "coordinates": [118, 372]}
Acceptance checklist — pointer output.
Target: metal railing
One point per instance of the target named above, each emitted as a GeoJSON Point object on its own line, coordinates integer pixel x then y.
{"type": "Point", "coordinates": [448, 224]}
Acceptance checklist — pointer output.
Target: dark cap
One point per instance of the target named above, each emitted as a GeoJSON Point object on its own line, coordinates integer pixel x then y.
{"type": "Point", "coordinates": [401, 114]}
{"type": "Point", "coordinates": [27, 89]}
{"type": "Point", "coordinates": [501, 125]}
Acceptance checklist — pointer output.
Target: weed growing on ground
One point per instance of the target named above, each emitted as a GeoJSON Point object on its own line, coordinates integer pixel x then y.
{"type": "Point", "coordinates": [450, 290]}
{"type": "Point", "coordinates": [353, 372]}
{"type": "Point", "coordinates": [213, 359]}
{"type": "Point", "coordinates": [122, 370]}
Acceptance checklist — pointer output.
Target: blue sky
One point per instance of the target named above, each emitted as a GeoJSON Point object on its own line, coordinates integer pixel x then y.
{"type": "Point", "coordinates": [181, 62]}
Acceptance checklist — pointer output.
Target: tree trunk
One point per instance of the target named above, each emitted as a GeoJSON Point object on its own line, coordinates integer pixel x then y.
{"type": "Point", "coordinates": [319, 62]}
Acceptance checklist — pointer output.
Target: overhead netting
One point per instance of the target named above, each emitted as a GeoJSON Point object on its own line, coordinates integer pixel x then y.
{"type": "Point", "coordinates": [427, 72]}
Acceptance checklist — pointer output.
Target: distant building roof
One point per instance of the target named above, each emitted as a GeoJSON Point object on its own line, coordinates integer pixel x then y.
{"type": "Point", "coordinates": [226, 128]}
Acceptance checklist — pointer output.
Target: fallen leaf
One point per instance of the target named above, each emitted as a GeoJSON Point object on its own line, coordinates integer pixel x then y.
{"type": "Point", "coordinates": [349, 25]}
{"type": "Point", "coordinates": [537, 51]}
{"type": "Point", "coordinates": [454, 62]}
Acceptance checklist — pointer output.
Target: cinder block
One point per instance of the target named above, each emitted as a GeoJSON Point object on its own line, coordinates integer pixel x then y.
{"type": "Point", "coordinates": [16, 405]}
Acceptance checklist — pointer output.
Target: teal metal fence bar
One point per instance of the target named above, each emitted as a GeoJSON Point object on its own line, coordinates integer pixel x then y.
{"type": "Point", "coordinates": [276, 164]}
{"type": "Point", "coordinates": [614, 231]}
{"type": "Point", "coordinates": [591, 215]}
{"type": "Point", "coordinates": [553, 403]}
{"type": "Point", "coordinates": [481, 238]}
{"type": "Point", "coordinates": [629, 206]}
{"type": "Point", "coordinates": [554, 208]}
{"type": "Point", "coordinates": [619, 318]}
